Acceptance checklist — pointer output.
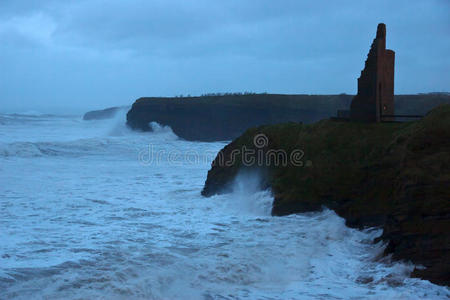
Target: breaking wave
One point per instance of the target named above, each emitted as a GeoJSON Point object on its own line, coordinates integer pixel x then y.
{"type": "Point", "coordinates": [163, 131]}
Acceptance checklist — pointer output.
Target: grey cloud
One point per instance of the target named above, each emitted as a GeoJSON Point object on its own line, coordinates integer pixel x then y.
{"type": "Point", "coordinates": [100, 53]}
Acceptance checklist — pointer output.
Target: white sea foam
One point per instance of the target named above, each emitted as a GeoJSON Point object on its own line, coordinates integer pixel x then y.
{"type": "Point", "coordinates": [164, 132]}
{"type": "Point", "coordinates": [91, 221]}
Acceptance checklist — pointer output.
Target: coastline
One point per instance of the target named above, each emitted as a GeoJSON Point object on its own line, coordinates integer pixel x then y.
{"type": "Point", "coordinates": [391, 175]}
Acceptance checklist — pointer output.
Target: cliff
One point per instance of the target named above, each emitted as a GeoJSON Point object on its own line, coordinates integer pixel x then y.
{"type": "Point", "coordinates": [393, 175]}
{"type": "Point", "coordinates": [215, 118]}
{"type": "Point", "coordinates": [106, 113]}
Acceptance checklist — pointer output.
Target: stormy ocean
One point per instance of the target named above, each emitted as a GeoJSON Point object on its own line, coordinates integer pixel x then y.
{"type": "Point", "coordinates": [91, 210]}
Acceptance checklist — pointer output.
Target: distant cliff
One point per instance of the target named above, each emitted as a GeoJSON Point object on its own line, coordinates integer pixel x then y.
{"type": "Point", "coordinates": [393, 175]}
{"type": "Point", "coordinates": [107, 113]}
{"type": "Point", "coordinates": [214, 118]}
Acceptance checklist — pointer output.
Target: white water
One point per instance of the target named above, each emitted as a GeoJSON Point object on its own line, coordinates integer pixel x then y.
{"type": "Point", "coordinates": [90, 210]}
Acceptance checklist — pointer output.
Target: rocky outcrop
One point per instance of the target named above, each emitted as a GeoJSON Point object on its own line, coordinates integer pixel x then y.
{"type": "Point", "coordinates": [393, 175]}
{"type": "Point", "coordinates": [107, 113]}
{"type": "Point", "coordinates": [215, 118]}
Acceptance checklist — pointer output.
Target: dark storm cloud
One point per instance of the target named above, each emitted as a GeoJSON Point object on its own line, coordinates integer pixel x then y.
{"type": "Point", "coordinates": [98, 53]}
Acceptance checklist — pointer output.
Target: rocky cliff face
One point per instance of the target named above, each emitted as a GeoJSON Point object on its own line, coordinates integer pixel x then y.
{"type": "Point", "coordinates": [106, 113]}
{"type": "Point", "coordinates": [215, 118]}
{"type": "Point", "coordinates": [393, 175]}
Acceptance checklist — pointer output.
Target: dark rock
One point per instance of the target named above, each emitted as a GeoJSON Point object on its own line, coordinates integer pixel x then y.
{"type": "Point", "coordinates": [364, 279]}
{"type": "Point", "coordinates": [216, 118]}
{"type": "Point", "coordinates": [107, 113]}
{"type": "Point", "coordinates": [390, 175]}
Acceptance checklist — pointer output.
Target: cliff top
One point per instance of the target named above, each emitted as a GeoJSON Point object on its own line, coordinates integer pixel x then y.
{"type": "Point", "coordinates": [393, 175]}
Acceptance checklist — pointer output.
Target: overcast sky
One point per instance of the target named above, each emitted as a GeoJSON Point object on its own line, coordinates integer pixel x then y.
{"type": "Point", "coordinates": [80, 55]}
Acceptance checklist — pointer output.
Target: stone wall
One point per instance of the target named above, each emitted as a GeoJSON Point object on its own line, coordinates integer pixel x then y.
{"type": "Point", "coordinates": [375, 96]}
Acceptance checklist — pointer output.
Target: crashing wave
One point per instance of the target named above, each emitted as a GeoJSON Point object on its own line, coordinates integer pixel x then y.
{"type": "Point", "coordinates": [163, 131]}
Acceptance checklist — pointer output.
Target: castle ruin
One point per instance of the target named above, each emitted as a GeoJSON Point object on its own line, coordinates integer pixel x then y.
{"type": "Point", "coordinates": [375, 99]}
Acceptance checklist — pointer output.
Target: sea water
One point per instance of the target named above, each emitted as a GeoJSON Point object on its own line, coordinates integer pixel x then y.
{"type": "Point", "coordinates": [92, 210]}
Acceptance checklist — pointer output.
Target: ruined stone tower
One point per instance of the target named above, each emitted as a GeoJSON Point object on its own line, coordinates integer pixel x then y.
{"type": "Point", "coordinates": [375, 98]}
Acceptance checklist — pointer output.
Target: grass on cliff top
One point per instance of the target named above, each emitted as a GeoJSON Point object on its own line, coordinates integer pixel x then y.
{"type": "Point", "coordinates": [336, 157]}
{"type": "Point", "coordinates": [358, 161]}
{"type": "Point", "coordinates": [405, 104]}
{"type": "Point", "coordinates": [306, 102]}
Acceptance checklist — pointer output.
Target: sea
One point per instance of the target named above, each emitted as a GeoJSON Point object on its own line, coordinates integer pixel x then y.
{"type": "Point", "coordinates": [93, 210]}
